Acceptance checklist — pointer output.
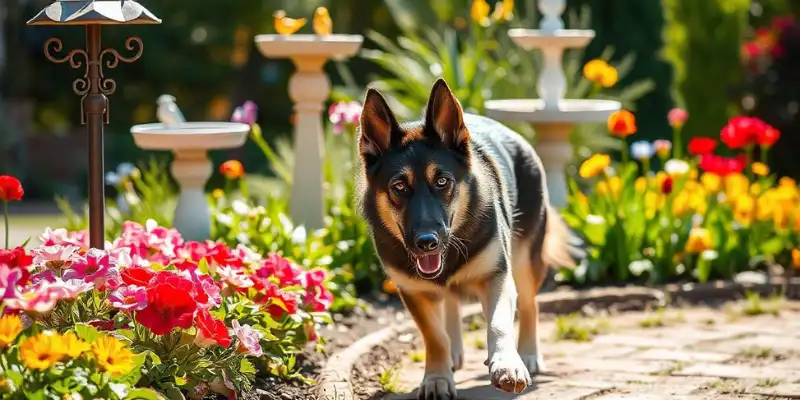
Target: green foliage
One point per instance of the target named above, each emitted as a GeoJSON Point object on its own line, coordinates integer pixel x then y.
{"type": "Point", "coordinates": [705, 85]}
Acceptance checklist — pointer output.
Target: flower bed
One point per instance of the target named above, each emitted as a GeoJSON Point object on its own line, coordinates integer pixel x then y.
{"type": "Point", "coordinates": [700, 216]}
{"type": "Point", "coordinates": [151, 310]}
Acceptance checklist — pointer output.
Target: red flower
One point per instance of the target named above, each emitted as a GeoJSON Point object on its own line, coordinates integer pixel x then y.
{"type": "Point", "coordinates": [742, 131]}
{"type": "Point", "coordinates": [702, 145]}
{"type": "Point", "coordinates": [170, 304]}
{"type": "Point", "coordinates": [768, 136]}
{"type": "Point", "coordinates": [622, 123]}
{"type": "Point", "coordinates": [278, 302]}
{"type": "Point", "coordinates": [137, 276]}
{"type": "Point", "coordinates": [10, 188]}
{"type": "Point", "coordinates": [232, 169]}
{"type": "Point", "coordinates": [287, 273]}
{"type": "Point", "coordinates": [666, 185]}
{"type": "Point", "coordinates": [210, 330]}
{"type": "Point", "coordinates": [103, 325]}
{"type": "Point", "coordinates": [721, 165]}
{"type": "Point", "coordinates": [16, 258]}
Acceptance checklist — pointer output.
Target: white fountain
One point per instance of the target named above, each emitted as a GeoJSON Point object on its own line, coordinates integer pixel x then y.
{"type": "Point", "coordinates": [190, 142]}
{"type": "Point", "coordinates": [552, 116]}
{"type": "Point", "coordinates": [309, 88]}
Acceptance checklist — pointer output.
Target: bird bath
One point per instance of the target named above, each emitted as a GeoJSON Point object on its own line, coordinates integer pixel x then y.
{"type": "Point", "coordinates": [309, 88]}
{"type": "Point", "coordinates": [190, 142]}
{"type": "Point", "coordinates": [552, 116]}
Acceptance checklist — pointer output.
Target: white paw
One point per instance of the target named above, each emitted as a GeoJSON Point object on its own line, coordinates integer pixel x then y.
{"type": "Point", "coordinates": [508, 373]}
{"type": "Point", "coordinates": [457, 355]}
{"type": "Point", "coordinates": [535, 363]}
{"type": "Point", "coordinates": [437, 386]}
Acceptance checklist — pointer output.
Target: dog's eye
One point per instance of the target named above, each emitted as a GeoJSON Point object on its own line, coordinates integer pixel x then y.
{"type": "Point", "coordinates": [442, 182]}
{"type": "Point", "coordinates": [399, 187]}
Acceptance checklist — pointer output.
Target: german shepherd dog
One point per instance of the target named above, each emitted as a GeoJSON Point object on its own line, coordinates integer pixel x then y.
{"type": "Point", "coordinates": [457, 205]}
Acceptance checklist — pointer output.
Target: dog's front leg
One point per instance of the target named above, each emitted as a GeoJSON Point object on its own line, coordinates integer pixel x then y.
{"type": "Point", "coordinates": [452, 317]}
{"type": "Point", "coordinates": [427, 311]}
{"type": "Point", "coordinates": [506, 368]}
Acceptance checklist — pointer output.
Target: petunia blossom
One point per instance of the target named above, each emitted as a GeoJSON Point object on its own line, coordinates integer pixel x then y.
{"type": "Point", "coordinates": [129, 298]}
{"type": "Point", "coordinates": [97, 266]}
{"type": "Point", "coordinates": [249, 339]}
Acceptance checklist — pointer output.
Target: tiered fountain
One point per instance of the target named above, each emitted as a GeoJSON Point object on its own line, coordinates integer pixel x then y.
{"type": "Point", "coordinates": [309, 88]}
{"type": "Point", "coordinates": [552, 116]}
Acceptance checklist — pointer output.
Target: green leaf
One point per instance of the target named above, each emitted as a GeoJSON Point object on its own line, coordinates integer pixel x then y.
{"type": "Point", "coordinates": [87, 332]}
{"type": "Point", "coordinates": [772, 246]}
{"type": "Point", "coordinates": [246, 367]}
{"type": "Point", "coordinates": [144, 394]}
{"type": "Point", "coordinates": [202, 266]}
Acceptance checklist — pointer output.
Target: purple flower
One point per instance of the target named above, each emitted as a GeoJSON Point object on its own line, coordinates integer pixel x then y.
{"type": "Point", "coordinates": [344, 114]}
{"type": "Point", "coordinates": [249, 339]}
{"type": "Point", "coordinates": [97, 266]}
{"type": "Point", "coordinates": [247, 113]}
{"type": "Point", "coordinates": [129, 298]}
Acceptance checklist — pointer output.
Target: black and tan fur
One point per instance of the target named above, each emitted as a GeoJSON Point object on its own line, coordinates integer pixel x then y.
{"type": "Point", "coordinates": [481, 188]}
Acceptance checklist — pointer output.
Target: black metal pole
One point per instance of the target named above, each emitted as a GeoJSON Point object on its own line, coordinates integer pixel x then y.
{"type": "Point", "coordinates": [95, 106]}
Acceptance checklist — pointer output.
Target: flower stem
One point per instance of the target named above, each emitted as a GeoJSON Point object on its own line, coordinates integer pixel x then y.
{"type": "Point", "coordinates": [5, 212]}
{"type": "Point", "coordinates": [748, 153]}
{"type": "Point", "coordinates": [677, 146]}
{"type": "Point", "coordinates": [624, 151]}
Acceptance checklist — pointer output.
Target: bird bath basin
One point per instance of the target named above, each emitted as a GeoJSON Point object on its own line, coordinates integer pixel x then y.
{"type": "Point", "coordinates": [190, 142]}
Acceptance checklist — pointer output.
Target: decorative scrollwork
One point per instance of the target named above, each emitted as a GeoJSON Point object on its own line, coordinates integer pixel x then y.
{"type": "Point", "coordinates": [131, 44]}
{"type": "Point", "coordinates": [57, 45]}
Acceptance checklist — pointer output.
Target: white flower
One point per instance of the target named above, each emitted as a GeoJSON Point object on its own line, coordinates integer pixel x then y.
{"type": "Point", "coordinates": [676, 167]}
{"type": "Point", "coordinates": [642, 150]}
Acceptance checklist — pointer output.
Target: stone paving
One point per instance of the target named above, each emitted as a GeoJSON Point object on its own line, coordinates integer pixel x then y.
{"type": "Point", "coordinates": [697, 353]}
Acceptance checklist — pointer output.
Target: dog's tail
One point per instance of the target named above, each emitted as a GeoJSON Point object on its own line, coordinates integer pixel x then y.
{"type": "Point", "coordinates": [561, 247]}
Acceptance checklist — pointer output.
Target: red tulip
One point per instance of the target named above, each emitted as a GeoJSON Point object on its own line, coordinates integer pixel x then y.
{"type": "Point", "coordinates": [702, 145]}
{"type": "Point", "coordinates": [768, 137]}
{"type": "Point", "coordinates": [10, 188]}
{"type": "Point", "coordinates": [742, 131]}
{"type": "Point", "coordinates": [667, 185]}
{"type": "Point", "coordinates": [721, 165]}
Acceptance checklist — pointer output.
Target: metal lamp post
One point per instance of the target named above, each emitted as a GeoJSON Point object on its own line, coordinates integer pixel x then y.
{"type": "Point", "coordinates": [94, 87]}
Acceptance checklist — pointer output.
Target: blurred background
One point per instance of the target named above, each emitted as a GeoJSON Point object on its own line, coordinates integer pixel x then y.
{"type": "Point", "coordinates": [715, 58]}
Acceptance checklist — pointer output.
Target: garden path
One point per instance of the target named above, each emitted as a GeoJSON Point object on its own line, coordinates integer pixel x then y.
{"type": "Point", "coordinates": [697, 353]}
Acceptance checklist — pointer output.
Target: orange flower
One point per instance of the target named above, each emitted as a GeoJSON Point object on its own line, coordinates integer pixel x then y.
{"type": "Point", "coordinates": [622, 123]}
{"type": "Point", "coordinates": [232, 169]}
{"type": "Point", "coordinates": [796, 258]}
{"type": "Point", "coordinates": [389, 287]}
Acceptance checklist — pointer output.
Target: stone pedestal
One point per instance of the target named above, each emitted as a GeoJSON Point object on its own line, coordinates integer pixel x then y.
{"type": "Point", "coordinates": [191, 168]}
{"type": "Point", "coordinates": [309, 88]}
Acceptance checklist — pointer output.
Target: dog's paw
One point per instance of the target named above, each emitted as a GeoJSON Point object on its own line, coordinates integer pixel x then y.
{"type": "Point", "coordinates": [437, 386]}
{"type": "Point", "coordinates": [535, 363]}
{"type": "Point", "coordinates": [509, 373]}
{"type": "Point", "coordinates": [457, 355]}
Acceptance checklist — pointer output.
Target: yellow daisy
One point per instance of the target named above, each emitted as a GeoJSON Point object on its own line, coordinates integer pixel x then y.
{"type": "Point", "coordinates": [112, 356]}
{"type": "Point", "coordinates": [10, 328]}
{"type": "Point", "coordinates": [41, 351]}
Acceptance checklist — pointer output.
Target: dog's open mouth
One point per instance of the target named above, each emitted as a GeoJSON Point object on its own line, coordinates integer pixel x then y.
{"type": "Point", "coordinates": [429, 264]}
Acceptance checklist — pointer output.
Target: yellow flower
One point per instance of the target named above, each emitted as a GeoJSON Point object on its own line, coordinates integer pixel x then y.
{"type": "Point", "coordinates": [594, 69]}
{"type": "Point", "coordinates": [112, 356]}
{"type": "Point", "coordinates": [653, 201]}
{"type": "Point", "coordinates": [681, 204]}
{"type": "Point", "coordinates": [504, 10]}
{"type": "Point", "coordinates": [480, 12]}
{"type": "Point", "coordinates": [787, 182]}
{"type": "Point", "coordinates": [609, 78]}
{"type": "Point", "coordinates": [72, 346]}
{"type": "Point", "coordinates": [760, 169]}
{"type": "Point", "coordinates": [796, 258]}
{"type": "Point", "coordinates": [711, 182]}
{"type": "Point", "coordinates": [10, 328]}
{"type": "Point", "coordinates": [612, 186]}
{"type": "Point", "coordinates": [594, 165]}
{"type": "Point", "coordinates": [744, 210]}
{"type": "Point", "coordinates": [217, 193]}
{"type": "Point", "coordinates": [699, 240]}
{"type": "Point", "coordinates": [41, 351]}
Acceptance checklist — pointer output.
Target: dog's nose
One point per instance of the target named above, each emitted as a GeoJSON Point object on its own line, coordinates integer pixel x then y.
{"type": "Point", "coordinates": [427, 242]}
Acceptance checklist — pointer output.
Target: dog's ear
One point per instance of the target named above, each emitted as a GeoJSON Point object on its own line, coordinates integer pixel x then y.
{"type": "Point", "coordinates": [378, 126]}
{"type": "Point", "coordinates": [444, 118]}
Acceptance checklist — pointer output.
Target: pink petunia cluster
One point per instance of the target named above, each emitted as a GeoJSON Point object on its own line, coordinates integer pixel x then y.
{"type": "Point", "coordinates": [162, 280]}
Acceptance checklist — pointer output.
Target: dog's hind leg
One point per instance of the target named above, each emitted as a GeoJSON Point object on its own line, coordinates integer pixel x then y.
{"type": "Point", "coordinates": [427, 311]}
{"type": "Point", "coordinates": [529, 271]}
{"type": "Point", "coordinates": [452, 322]}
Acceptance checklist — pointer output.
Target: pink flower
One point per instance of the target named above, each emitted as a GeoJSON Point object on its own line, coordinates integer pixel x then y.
{"type": "Point", "coordinates": [287, 273]}
{"type": "Point", "coordinates": [234, 278]}
{"type": "Point", "coordinates": [247, 113]}
{"type": "Point", "coordinates": [70, 289]}
{"type": "Point", "coordinates": [677, 117]}
{"type": "Point", "coordinates": [129, 298]}
{"type": "Point", "coordinates": [39, 299]}
{"type": "Point", "coordinates": [343, 114]}
{"type": "Point", "coordinates": [97, 266]}
{"type": "Point", "coordinates": [249, 339]}
{"type": "Point", "coordinates": [8, 280]}
{"type": "Point", "coordinates": [319, 299]}
{"type": "Point", "coordinates": [59, 254]}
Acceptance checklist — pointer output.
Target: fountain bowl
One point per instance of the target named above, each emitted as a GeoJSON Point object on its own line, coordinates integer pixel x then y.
{"type": "Point", "coordinates": [567, 110]}
{"type": "Point", "coordinates": [534, 39]}
{"type": "Point", "coordinates": [190, 136]}
{"type": "Point", "coordinates": [329, 46]}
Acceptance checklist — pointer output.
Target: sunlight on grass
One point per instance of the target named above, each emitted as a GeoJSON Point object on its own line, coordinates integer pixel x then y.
{"type": "Point", "coordinates": [579, 328]}
{"type": "Point", "coordinates": [390, 380]}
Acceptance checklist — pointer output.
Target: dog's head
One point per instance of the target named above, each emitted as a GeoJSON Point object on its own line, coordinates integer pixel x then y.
{"type": "Point", "coordinates": [417, 174]}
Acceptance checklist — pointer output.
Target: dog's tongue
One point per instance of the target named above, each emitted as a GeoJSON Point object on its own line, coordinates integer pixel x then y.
{"type": "Point", "coordinates": [430, 264]}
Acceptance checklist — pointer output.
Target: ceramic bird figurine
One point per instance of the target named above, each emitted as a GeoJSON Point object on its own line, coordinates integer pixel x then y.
{"type": "Point", "coordinates": [323, 25]}
{"type": "Point", "coordinates": [285, 25]}
{"type": "Point", "coordinates": [168, 112]}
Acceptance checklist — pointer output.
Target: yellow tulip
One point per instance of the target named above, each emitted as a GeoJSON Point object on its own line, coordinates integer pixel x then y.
{"type": "Point", "coordinates": [711, 182]}
{"type": "Point", "coordinates": [760, 169]}
{"type": "Point", "coordinates": [612, 186]}
{"type": "Point", "coordinates": [480, 12]}
{"type": "Point", "coordinates": [504, 10]}
{"type": "Point", "coordinates": [787, 182]}
{"type": "Point", "coordinates": [594, 166]}
{"type": "Point", "coordinates": [699, 240]}
{"type": "Point", "coordinates": [744, 210]}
